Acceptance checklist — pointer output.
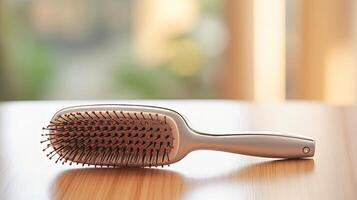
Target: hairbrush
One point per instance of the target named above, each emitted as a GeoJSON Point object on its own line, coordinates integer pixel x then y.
{"type": "Point", "coordinates": [145, 136]}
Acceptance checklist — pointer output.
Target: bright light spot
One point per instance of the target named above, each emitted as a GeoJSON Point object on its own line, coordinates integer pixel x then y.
{"type": "Point", "coordinates": [341, 75]}
{"type": "Point", "coordinates": [269, 50]}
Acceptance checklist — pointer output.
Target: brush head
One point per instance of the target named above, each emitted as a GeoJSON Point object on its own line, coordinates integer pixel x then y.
{"type": "Point", "coordinates": [111, 137]}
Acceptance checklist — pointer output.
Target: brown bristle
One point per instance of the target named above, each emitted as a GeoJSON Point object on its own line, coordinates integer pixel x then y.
{"type": "Point", "coordinates": [110, 138]}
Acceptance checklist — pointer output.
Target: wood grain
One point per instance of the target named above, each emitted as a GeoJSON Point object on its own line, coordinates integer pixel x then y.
{"type": "Point", "coordinates": [25, 172]}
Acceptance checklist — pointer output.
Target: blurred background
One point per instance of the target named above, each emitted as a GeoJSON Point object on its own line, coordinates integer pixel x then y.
{"type": "Point", "coordinates": [255, 50]}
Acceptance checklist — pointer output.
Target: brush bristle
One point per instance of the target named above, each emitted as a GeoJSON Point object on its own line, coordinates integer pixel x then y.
{"type": "Point", "coordinates": [110, 138]}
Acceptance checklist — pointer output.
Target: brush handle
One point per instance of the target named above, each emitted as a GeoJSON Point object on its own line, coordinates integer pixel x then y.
{"type": "Point", "coordinates": [271, 145]}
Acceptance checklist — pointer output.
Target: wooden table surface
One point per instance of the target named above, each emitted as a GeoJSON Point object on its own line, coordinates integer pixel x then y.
{"type": "Point", "coordinates": [26, 173]}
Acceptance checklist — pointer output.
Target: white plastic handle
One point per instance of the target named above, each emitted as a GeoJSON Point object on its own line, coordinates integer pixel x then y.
{"type": "Point", "coordinates": [258, 144]}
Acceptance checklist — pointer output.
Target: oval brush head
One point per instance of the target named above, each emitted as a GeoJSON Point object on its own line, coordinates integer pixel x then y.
{"type": "Point", "coordinates": [110, 138]}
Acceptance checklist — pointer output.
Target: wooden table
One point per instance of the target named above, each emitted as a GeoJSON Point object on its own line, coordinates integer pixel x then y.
{"type": "Point", "coordinates": [26, 173]}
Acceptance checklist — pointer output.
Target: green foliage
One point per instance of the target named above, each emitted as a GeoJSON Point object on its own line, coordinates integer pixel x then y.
{"type": "Point", "coordinates": [36, 68]}
{"type": "Point", "coordinates": [26, 65]}
{"type": "Point", "coordinates": [135, 80]}
{"type": "Point", "coordinates": [143, 82]}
